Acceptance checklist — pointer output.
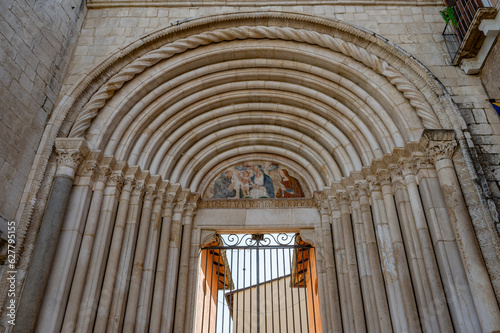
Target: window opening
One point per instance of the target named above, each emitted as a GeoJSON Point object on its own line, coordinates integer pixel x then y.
{"type": "Point", "coordinates": [258, 283]}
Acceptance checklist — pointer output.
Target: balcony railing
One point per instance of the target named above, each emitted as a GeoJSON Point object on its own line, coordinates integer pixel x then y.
{"type": "Point", "coordinates": [462, 36]}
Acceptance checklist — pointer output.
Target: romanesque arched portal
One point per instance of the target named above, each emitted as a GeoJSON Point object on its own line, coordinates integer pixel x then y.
{"type": "Point", "coordinates": [143, 149]}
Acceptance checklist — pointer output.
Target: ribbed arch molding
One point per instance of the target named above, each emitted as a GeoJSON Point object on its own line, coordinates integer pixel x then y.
{"type": "Point", "coordinates": [184, 108]}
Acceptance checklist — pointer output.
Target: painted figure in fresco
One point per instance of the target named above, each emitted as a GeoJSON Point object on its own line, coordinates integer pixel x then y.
{"type": "Point", "coordinates": [223, 186]}
{"type": "Point", "coordinates": [262, 184]}
{"type": "Point", "coordinates": [245, 181]}
{"type": "Point", "coordinates": [289, 187]}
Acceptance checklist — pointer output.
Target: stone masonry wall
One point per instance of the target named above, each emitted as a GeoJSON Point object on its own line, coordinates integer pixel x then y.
{"type": "Point", "coordinates": [36, 43]}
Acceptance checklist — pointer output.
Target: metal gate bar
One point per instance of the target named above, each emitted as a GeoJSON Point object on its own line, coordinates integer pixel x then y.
{"type": "Point", "coordinates": [257, 283]}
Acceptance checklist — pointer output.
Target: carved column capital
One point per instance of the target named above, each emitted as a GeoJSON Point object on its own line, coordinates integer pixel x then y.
{"type": "Point", "coordinates": [89, 168]}
{"type": "Point", "coordinates": [69, 157]}
{"type": "Point", "coordinates": [168, 204]}
{"type": "Point", "coordinates": [128, 184]}
{"type": "Point", "coordinates": [362, 189]}
{"type": "Point", "coordinates": [353, 194]}
{"type": "Point", "coordinates": [406, 166]}
{"type": "Point", "coordinates": [343, 198]}
{"type": "Point", "coordinates": [324, 207]}
{"type": "Point", "coordinates": [150, 193]}
{"type": "Point", "coordinates": [180, 206]}
{"type": "Point", "coordinates": [384, 177]}
{"type": "Point", "coordinates": [438, 150]}
{"type": "Point", "coordinates": [373, 183]}
{"type": "Point", "coordinates": [190, 210]}
{"type": "Point", "coordinates": [169, 201]}
{"type": "Point", "coordinates": [138, 189]}
{"type": "Point", "coordinates": [102, 174]}
{"type": "Point", "coordinates": [116, 179]}
{"type": "Point", "coordinates": [322, 204]}
{"type": "Point", "coordinates": [334, 204]}
{"type": "Point", "coordinates": [69, 154]}
{"type": "Point", "coordinates": [421, 162]}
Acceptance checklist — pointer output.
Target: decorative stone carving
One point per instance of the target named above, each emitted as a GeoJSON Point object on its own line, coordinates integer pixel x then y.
{"type": "Point", "coordinates": [362, 189]}
{"type": "Point", "coordinates": [70, 152]}
{"type": "Point", "coordinates": [150, 193]}
{"type": "Point", "coordinates": [438, 150]}
{"type": "Point", "coordinates": [190, 210]}
{"type": "Point", "coordinates": [406, 166]}
{"type": "Point", "coordinates": [69, 157]}
{"type": "Point", "coordinates": [334, 204]}
{"type": "Point", "coordinates": [353, 194]}
{"type": "Point", "coordinates": [116, 179]}
{"type": "Point", "coordinates": [421, 161]}
{"type": "Point", "coordinates": [103, 174]}
{"type": "Point", "coordinates": [90, 167]}
{"type": "Point", "coordinates": [128, 184]}
{"type": "Point", "coordinates": [384, 177]}
{"type": "Point", "coordinates": [138, 189]}
{"type": "Point", "coordinates": [169, 201]}
{"type": "Point", "coordinates": [373, 183]}
{"type": "Point", "coordinates": [343, 198]}
{"type": "Point", "coordinates": [257, 203]}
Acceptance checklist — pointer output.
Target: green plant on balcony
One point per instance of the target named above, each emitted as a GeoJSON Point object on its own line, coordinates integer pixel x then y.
{"type": "Point", "coordinates": [448, 15]}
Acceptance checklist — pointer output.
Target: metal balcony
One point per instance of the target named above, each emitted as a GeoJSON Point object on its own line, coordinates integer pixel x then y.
{"type": "Point", "coordinates": [463, 38]}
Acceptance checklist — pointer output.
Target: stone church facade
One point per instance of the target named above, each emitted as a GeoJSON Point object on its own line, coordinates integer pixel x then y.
{"type": "Point", "coordinates": [125, 123]}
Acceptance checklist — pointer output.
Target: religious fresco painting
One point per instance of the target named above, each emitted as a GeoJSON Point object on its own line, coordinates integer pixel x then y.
{"type": "Point", "coordinates": [257, 180]}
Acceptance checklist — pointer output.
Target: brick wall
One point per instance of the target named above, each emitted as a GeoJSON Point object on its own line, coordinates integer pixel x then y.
{"type": "Point", "coordinates": [36, 43]}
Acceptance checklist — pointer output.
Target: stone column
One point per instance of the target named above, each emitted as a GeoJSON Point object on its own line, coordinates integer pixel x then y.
{"type": "Point", "coordinates": [184, 278]}
{"type": "Point", "coordinates": [408, 315]}
{"type": "Point", "coordinates": [341, 266]}
{"type": "Point", "coordinates": [441, 317]}
{"type": "Point", "coordinates": [59, 284]}
{"type": "Point", "coordinates": [193, 283]}
{"type": "Point", "coordinates": [382, 308]}
{"type": "Point", "coordinates": [363, 263]}
{"type": "Point", "coordinates": [118, 303]}
{"type": "Point", "coordinates": [161, 267]}
{"type": "Point", "coordinates": [168, 307]}
{"type": "Point", "coordinates": [100, 249]}
{"type": "Point", "coordinates": [78, 284]}
{"type": "Point", "coordinates": [114, 256]}
{"type": "Point", "coordinates": [457, 290]}
{"type": "Point", "coordinates": [331, 292]}
{"type": "Point", "coordinates": [352, 265]}
{"type": "Point", "coordinates": [70, 152]}
{"type": "Point", "coordinates": [414, 255]}
{"type": "Point", "coordinates": [150, 261]}
{"type": "Point", "coordinates": [140, 252]}
{"type": "Point", "coordinates": [440, 152]}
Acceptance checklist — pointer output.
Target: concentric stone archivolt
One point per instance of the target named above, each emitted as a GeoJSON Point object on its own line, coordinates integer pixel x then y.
{"type": "Point", "coordinates": [417, 100]}
{"type": "Point", "coordinates": [316, 89]}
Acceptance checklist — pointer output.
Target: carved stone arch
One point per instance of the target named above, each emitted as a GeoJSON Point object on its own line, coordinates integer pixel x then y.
{"type": "Point", "coordinates": [171, 111]}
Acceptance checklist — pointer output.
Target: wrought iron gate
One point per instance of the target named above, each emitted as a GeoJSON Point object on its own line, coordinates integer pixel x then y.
{"type": "Point", "coordinates": [258, 283]}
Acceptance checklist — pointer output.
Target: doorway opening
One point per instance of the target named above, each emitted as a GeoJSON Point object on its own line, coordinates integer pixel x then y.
{"type": "Point", "coordinates": [258, 283]}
